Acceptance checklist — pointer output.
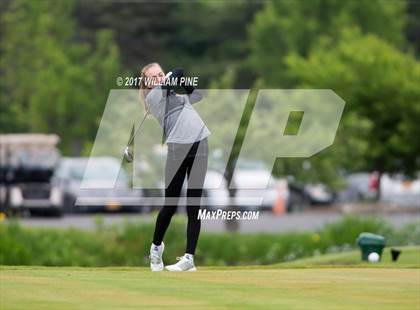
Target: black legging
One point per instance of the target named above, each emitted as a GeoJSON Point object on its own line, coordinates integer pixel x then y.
{"type": "Point", "coordinates": [183, 159]}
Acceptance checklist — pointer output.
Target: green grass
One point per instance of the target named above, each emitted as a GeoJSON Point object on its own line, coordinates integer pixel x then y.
{"type": "Point", "coordinates": [409, 258]}
{"type": "Point", "coordinates": [281, 286]}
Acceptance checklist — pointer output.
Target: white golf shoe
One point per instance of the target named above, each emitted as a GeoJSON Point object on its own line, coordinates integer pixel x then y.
{"type": "Point", "coordinates": [156, 262]}
{"type": "Point", "coordinates": [185, 263]}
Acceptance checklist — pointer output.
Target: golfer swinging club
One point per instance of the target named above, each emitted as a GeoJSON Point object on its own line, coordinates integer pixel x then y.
{"type": "Point", "coordinates": [186, 137]}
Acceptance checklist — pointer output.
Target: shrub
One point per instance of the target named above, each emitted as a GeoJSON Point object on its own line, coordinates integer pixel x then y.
{"type": "Point", "coordinates": [128, 243]}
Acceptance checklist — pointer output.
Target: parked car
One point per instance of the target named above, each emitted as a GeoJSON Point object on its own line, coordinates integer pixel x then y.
{"type": "Point", "coordinates": [253, 193]}
{"type": "Point", "coordinates": [100, 189]}
{"type": "Point", "coordinates": [319, 194]}
{"type": "Point", "coordinates": [297, 198]}
{"type": "Point", "coordinates": [249, 180]}
{"type": "Point", "coordinates": [358, 187]}
{"type": "Point", "coordinates": [400, 190]}
{"type": "Point", "coordinates": [27, 162]}
{"type": "Point", "coordinates": [215, 193]}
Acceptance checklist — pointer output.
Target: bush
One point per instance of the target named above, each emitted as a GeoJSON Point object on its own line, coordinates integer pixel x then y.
{"type": "Point", "coordinates": [128, 244]}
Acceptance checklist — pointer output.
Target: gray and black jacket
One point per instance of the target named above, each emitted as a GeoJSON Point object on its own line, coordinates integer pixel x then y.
{"type": "Point", "coordinates": [180, 121]}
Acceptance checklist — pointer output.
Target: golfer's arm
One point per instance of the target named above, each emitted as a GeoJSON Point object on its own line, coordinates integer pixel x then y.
{"type": "Point", "coordinates": [156, 102]}
{"type": "Point", "coordinates": [195, 96]}
{"type": "Point", "coordinates": [156, 95]}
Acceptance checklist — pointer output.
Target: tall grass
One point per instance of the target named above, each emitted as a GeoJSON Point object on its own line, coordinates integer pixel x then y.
{"type": "Point", "coordinates": [127, 244]}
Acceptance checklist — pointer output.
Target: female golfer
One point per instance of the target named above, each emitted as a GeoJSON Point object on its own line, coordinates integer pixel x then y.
{"type": "Point", "coordinates": [186, 137]}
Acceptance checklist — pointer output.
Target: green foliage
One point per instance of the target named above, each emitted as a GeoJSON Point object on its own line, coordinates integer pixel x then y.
{"type": "Point", "coordinates": [129, 243]}
{"type": "Point", "coordinates": [205, 37]}
{"type": "Point", "coordinates": [380, 86]}
{"type": "Point", "coordinates": [285, 27]}
{"type": "Point", "coordinates": [50, 81]}
{"type": "Point", "coordinates": [312, 32]}
{"type": "Point", "coordinates": [58, 64]}
{"type": "Point", "coordinates": [345, 232]}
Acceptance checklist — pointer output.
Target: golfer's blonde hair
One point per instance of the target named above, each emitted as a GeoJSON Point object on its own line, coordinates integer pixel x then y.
{"type": "Point", "coordinates": [143, 91]}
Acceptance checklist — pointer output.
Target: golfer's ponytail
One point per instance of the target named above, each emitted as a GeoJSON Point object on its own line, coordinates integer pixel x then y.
{"type": "Point", "coordinates": [143, 88]}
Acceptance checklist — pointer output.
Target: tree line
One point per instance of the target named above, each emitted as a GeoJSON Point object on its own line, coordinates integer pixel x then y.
{"type": "Point", "coordinates": [58, 60]}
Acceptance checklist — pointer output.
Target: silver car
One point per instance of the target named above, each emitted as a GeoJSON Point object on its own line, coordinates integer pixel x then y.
{"type": "Point", "coordinates": [104, 187]}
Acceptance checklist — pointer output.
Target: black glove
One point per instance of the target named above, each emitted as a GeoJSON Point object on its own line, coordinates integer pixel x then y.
{"type": "Point", "coordinates": [178, 73]}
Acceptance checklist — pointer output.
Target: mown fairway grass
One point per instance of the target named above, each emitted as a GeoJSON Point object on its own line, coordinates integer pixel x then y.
{"type": "Point", "coordinates": [319, 285]}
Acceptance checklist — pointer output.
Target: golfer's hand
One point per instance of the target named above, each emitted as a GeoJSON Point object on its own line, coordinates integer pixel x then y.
{"type": "Point", "coordinates": [168, 75]}
{"type": "Point", "coordinates": [175, 73]}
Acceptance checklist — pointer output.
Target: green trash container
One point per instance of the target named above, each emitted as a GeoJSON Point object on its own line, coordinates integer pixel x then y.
{"type": "Point", "coordinates": [369, 243]}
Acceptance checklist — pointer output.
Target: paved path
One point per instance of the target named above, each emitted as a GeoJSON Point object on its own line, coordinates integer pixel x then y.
{"type": "Point", "coordinates": [308, 220]}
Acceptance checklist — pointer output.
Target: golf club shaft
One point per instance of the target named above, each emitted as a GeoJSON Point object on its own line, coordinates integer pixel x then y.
{"type": "Point", "coordinates": [144, 118]}
{"type": "Point", "coordinates": [137, 129]}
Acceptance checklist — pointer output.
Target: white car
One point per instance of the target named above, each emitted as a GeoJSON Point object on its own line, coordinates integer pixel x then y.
{"type": "Point", "coordinates": [358, 188]}
{"type": "Point", "coordinates": [252, 192]}
{"type": "Point", "coordinates": [398, 190]}
{"type": "Point", "coordinates": [215, 192]}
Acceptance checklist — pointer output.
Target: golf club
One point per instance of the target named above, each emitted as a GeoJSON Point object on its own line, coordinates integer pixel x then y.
{"type": "Point", "coordinates": [128, 155]}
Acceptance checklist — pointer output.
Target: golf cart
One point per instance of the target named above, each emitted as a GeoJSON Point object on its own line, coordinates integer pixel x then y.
{"type": "Point", "coordinates": [27, 162]}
